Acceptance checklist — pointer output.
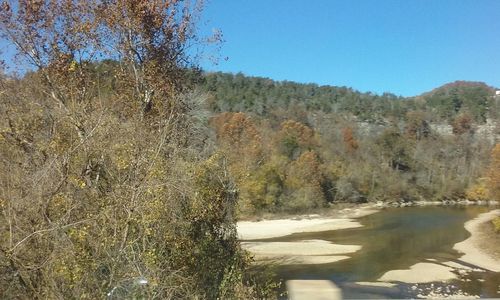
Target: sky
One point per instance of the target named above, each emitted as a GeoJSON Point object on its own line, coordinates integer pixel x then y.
{"type": "Point", "coordinates": [405, 47]}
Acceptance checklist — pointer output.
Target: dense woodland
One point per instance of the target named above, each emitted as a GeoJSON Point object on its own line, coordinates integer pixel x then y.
{"type": "Point", "coordinates": [268, 98]}
{"type": "Point", "coordinates": [293, 147]}
{"type": "Point", "coordinates": [124, 167]}
{"type": "Point", "coordinates": [108, 186]}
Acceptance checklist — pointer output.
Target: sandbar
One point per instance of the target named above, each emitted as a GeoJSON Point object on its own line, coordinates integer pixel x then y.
{"type": "Point", "coordinates": [254, 230]}
{"type": "Point", "coordinates": [473, 254]}
{"type": "Point", "coordinates": [300, 252]}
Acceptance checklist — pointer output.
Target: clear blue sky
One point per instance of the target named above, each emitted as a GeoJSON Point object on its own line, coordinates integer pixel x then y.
{"type": "Point", "coordinates": [402, 46]}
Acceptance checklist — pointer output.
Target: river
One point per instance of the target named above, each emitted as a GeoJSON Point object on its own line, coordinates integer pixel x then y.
{"type": "Point", "coordinates": [397, 238]}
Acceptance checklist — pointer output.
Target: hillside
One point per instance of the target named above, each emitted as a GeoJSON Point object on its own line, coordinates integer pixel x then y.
{"type": "Point", "coordinates": [475, 98]}
{"type": "Point", "coordinates": [263, 96]}
{"type": "Point", "coordinates": [294, 147]}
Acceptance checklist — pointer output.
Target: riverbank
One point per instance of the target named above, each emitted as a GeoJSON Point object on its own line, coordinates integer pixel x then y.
{"type": "Point", "coordinates": [396, 252]}
{"type": "Point", "coordinates": [481, 248]}
{"type": "Point", "coordinates": [305, 251]}
{"type": "Point", "coordinates": [251, 233]}
{"type": "Point", "coordinates": [272, 228]}
{"type": "Point", "coordinates": [300, 252]}
{"type": "Point", "coordinates": [462, 202]}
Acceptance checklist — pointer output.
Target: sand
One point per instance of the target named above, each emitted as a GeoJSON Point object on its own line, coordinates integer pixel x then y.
{"type": "Point", "coordinates": [358, 212]}
{"type": "Point", "coordinates": [473, 254]}
{"type": "Point", "coordinates": [300, 252]}
{"type": "Point", "coordinates": [277, 228]}
{"type": "Point", "coordinates": [300, 259]}
{"type": "Point", "coordinates": [420, 273]}
{"type": "Point", "coordinates": [307, 247]}
{"type": "Point", "coordinates": [377, 284]}
{"type": "Point", "coordinates": [254, 230]}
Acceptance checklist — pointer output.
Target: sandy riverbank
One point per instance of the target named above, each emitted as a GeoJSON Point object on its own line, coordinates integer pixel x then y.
{"type": "Point", "coordinates": [472, 247]}
{"type": "Point", "coordinates": [474, 254]}
{"type": "Point", "coordinates": [302, 251]}
{"type": "Point", "coordinates": [344, 219]}
{"type": "Point", "coordinates": [276, 228]}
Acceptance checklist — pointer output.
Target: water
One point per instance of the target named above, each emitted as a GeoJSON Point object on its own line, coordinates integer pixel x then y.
{"type": "Point", "coordinates": [396, 239]}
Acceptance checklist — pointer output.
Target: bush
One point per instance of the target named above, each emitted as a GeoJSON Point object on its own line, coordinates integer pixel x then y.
{"type": "Point", "coordinates": [496, 224]}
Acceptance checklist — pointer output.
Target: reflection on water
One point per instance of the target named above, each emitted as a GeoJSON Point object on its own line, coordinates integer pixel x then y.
{"type": "Point", "coordinates": [394, 239]}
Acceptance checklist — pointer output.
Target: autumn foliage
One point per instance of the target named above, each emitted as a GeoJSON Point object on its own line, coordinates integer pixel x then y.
{"type": "Point", "coordinates": [275, 169]}
{"type": "Point", "coordinates": [238, 130]}
{"type": "Point", "coordinates": [417, 126]}
{"type": "Point", "coordinates": [105, 188]}
{"type": "Point", "coordinates": [349, 140]}
{"type": "Point", "coordinates": [493, 173]}
{"type": "Point", "coordinates": [294, 137]}
{"type": "Point", "coordinates": [462, 124]}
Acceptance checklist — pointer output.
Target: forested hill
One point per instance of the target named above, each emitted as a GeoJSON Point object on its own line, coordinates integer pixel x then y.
{"type": "Point", "coordinates": [475, 98]}
{"type": "Point", "coordinates": [263, 96]}
{"type": "Point", "coordinates": [294, 147]}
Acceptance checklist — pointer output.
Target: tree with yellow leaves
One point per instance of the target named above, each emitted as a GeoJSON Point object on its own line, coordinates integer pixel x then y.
{"type": "Point", "coordinates": [493, 173]}
{"type": "Point", "coordinates": [294, 138]}
{"type": "Point", "coordinates": [303, 183]}
{"type": "Point", "coordinates": [103, 194]}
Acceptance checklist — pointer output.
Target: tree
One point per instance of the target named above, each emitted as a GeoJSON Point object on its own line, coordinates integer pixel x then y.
{"type": "Point", "coordinates": [303, 182]}
{"type": "Point", "coordinates": [478, 191]}
{"type": "Point", "coordinates": [294, 138]}
{"type": "Point", "coordinates": [237, 130]}
{"type": "Point", "coordinates": [462, 124]}
{"type": "Point", "coordinates": [349, 140]}
{"type": "Point", "coordinates": [493, 173]}
{"type": "Point", "coordinates": [394, 149]}
{"type": "Point", "coordinates": [242, 145]}
{"type": "Point", "coordinates": [103, 191]}
{"type": "Point", "coordinates": [150, 38]}
{"type": "Point", "coordinates": [417, 126]}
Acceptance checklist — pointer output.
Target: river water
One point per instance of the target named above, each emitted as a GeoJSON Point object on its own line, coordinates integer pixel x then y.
{"type": "Point", "coordinates": [397, 239]}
